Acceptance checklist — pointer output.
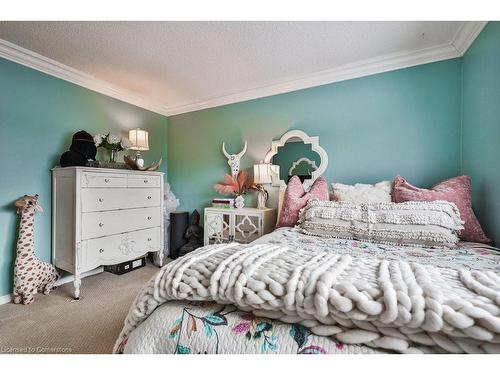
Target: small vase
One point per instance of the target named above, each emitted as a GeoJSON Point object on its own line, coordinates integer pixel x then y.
{"type": "Point", "coordinates": [239, 201]}
{"type": "Point", "coordinates": [112, 156]}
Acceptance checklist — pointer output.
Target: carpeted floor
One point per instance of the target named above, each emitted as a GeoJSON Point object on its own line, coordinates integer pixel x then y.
{"type": "Point", "coordinates": [57, 323]}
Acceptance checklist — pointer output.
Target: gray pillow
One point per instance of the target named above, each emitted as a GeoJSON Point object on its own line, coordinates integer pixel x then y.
{"type": "Point", "coordinates": [425, 224]}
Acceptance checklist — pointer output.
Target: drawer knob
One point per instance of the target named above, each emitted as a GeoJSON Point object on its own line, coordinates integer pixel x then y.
{"type": "Point", "coordinates": [106, 180]}
{"type": "Point", "coordinates": [149, 196]}
{"type": "Point", "coordinates": [101, 200]}
{"type": "Point", "coordinates": [146, 181]}
{"type": "Point", "coordinates": [101, 251]}
{"type": "Point", "coordinates": [149, 217]}
{"type": "Point", "coordinates": [149, 239]}
{"type": "Point", "coordinates": [101, 225]}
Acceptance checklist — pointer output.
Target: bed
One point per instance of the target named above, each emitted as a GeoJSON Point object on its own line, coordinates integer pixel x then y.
{"type": "Point", "coordinates": [208, 327]}
{"type": "Point", "coordinates": [292, 293]}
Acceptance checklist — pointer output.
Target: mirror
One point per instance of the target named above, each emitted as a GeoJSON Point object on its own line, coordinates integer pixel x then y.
{"type": "Point", "coordinates": [297, 154]}
{"type": "Point", "coordinates": [296, 158]}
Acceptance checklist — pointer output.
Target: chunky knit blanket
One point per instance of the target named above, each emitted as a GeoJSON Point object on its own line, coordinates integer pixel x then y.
{"type": "Point", "coordinates": [396, 305]}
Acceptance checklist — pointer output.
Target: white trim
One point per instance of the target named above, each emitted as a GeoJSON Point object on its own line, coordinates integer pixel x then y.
{"type": "Point", "coordinates": [342, 73]}
{"type": "Point", "coordinates": [64, 280]}
{"type": "Point", "coordinates": [5, 299]}
{"type": "Point", "coordinates": [464, 37]}
{"type": "Point", "coordinates": [23, 56]}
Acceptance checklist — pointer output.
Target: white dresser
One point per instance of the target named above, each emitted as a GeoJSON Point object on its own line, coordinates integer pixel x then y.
{"type": "Point", "coordinates": [104, 217]}
{"type": "Point", "coordinates": [241, 225]}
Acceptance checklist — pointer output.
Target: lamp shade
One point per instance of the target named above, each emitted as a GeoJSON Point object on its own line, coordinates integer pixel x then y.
{"type": "Point", "coordinates": [262, 173]}
{"type": "Point", "coordinates": [139, 139]}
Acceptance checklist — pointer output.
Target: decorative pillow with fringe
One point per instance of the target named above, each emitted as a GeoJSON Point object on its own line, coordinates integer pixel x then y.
{"type": "Point", "coordinates": [423, 224]}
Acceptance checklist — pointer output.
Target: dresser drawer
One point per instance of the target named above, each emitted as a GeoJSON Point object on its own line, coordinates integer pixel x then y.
{"type": "Point", "coordinates": [103, 180]}
{"type": "Point", "coordinates": [120, 247]}
{"type": "Point", "coordinates": [144, 182]}
{"type": "Point", "coordinates": [116, 199]}
{"type": "Point", "coordinates": [99, 224]}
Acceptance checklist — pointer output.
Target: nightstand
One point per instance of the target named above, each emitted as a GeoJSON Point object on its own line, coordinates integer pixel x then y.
{"type": "Point", "coordinates": [241, 225]}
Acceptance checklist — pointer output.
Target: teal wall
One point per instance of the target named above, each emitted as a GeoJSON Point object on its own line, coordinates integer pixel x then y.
{"type": "Point", "coordinates": [481, 126]}
{"type": "Point", "coordinates": [406, 121]}
{"type": "Point", "coordinates": [427, 123]}
{"type": "Point", "coordinates": [38, 115]}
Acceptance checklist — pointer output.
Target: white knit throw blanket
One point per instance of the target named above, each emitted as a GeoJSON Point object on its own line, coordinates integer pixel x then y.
{"type": "Point", "coordinates": [396, 305]}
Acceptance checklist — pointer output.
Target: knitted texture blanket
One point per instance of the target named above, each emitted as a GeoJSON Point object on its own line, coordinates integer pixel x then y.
{"type": "Point", "coordinates": [396, 305]}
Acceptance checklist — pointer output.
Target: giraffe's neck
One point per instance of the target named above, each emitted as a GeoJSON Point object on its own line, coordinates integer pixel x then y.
{"type": "Point", "coordinates": [25, 241]}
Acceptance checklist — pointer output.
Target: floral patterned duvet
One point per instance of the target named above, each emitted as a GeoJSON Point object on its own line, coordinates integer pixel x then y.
{"type": "Point", "coordinates": [183, 327]}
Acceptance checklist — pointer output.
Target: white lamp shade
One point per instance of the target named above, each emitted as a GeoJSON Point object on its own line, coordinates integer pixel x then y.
{"type": "Point", "coordinates": [139, 139]}
{"type": "Point", "coordinates": [262, 173]}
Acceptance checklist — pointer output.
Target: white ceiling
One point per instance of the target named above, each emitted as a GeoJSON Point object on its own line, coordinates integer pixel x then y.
{"type": "Point", "coordinates": [175, 67]}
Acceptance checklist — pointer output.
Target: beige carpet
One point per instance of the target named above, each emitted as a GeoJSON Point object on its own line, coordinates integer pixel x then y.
{"type": "Point", "coordinates": [57, 323]}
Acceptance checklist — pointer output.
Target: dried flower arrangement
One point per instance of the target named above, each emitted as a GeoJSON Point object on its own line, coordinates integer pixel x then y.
{"type": "Point", "coordinates": [233, 185]}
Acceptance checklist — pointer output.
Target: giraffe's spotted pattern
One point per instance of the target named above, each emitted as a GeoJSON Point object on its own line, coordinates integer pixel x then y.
{"type": "Point", "coordinates": [30, 273]}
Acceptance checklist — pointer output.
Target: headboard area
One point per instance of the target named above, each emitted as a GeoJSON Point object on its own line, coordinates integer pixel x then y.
{"type": "Point", "coordinates": [294, 154]}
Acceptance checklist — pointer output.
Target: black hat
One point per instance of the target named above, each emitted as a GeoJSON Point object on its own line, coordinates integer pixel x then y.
{"type": "Point", "coordinates": [82, 135]}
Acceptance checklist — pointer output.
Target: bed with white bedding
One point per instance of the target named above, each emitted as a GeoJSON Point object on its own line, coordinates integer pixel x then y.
{"type": "Point", "coordinates": [167, 319]}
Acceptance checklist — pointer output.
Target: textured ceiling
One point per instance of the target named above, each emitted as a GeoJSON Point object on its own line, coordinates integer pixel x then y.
{"type": "Point", "coordinates": [184, 63]}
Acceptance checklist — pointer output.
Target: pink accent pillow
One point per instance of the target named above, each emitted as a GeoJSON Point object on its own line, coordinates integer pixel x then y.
{"type": "Point", "coordinates": [456, 190]}
{"type": "Point", "coordinates": [296, 198]}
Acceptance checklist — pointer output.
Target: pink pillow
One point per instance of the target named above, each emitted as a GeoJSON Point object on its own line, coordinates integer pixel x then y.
{"type": "Point", "coordinates": [296, 198]}
{"type": "Point", "coordinates": [456, 190]}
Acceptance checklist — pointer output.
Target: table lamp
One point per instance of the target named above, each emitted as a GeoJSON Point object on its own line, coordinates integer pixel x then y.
{"type": "Point", "coordinates": [140, 142]}
{"type": "Point", "coordinates": [262, 174]}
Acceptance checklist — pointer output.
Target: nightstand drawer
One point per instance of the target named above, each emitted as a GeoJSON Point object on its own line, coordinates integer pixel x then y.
{"type": "Point", "coordinates": [144, 182]}
{"type": "Point", "coordinates": [119, 248]}
{"type": "Point", "coordinates": [100, 224]}
{"type": "Point", "coordinates": [114, 199]}
{"type": "Point", "coordinates": [103, 180]}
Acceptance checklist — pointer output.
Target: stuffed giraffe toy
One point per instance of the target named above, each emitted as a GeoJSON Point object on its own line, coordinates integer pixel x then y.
{"type": "Point", "coordinates": [30, 273]}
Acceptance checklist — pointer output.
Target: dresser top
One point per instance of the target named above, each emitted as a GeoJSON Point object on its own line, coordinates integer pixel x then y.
{"type": "Point", "coordinates": [106, 170]}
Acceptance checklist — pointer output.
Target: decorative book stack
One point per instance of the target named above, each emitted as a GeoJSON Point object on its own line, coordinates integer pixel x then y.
{"type": "Point", "coordinates": [223, 203]}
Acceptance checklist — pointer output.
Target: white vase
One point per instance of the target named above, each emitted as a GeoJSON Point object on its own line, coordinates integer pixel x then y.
{"type": "Point", "coordinates": [239, 201]}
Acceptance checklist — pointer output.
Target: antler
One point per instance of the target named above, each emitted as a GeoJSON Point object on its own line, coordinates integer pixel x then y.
{"type": "Point", "coordinates": [243, 151]}
{"type": "Point", "coordinates": [224, 150]}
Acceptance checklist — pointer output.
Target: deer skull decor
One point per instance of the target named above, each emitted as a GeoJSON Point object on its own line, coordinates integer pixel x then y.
{"type": "Point", "coordinates": [234, 159]}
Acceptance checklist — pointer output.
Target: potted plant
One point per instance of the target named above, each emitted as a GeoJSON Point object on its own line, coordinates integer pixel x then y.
{"type": "Point", "coordinates": [112, 143]}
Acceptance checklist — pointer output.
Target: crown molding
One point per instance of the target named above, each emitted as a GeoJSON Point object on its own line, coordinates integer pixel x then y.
{"type": "Point", "coordinates": [23, 56]}
{"type": "Point", "coordinates": [462, 40]}
{"type": "Point", "coordinates": [466, 35]}
{"type": "Point", "coordinates": [342, 73]}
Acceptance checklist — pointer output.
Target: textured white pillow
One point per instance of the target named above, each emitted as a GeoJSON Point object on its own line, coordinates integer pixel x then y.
{"type": "Point", "coordinates": [427, 224]}
{"type": "Point", "coordinates": [363, 193]}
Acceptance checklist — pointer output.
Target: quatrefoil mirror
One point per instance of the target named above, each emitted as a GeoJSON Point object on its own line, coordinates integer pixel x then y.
{"type": "Point", "coordinates": [296, 154]}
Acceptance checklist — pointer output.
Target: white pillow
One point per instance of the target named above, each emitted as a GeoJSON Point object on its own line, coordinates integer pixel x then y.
{"type": "Point", "coordinates": [363, 193]}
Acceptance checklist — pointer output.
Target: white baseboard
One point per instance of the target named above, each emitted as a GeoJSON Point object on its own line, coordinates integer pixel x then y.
{"type": "Point", "coordinates": [63, 280]}
{"type": "Point", "coordinates": [5, 299]}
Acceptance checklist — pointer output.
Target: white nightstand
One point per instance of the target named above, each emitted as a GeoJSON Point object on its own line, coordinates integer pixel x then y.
{"type": "Point", "coordinates": [241, 225]}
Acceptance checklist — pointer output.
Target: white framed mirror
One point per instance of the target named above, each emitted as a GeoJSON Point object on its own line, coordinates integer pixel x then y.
{"type": "Point", "coordinates": [297, 154]}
